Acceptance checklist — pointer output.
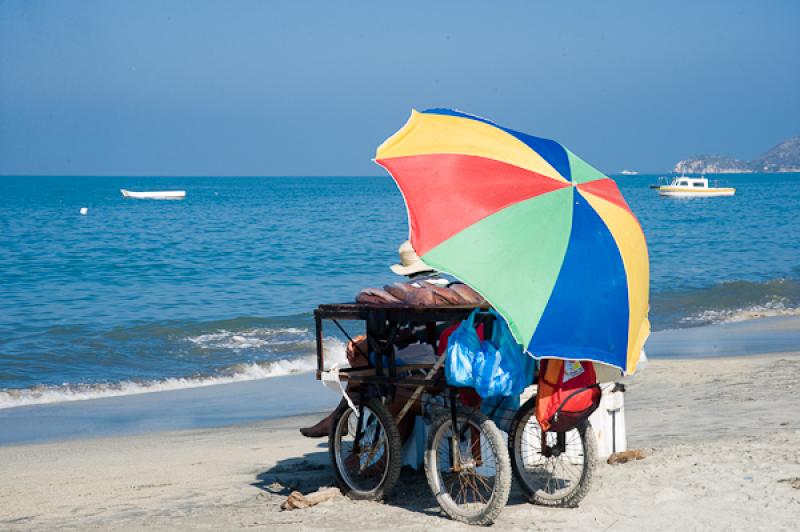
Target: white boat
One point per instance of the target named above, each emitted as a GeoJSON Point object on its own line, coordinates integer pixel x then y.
{"type": "Point", "coordinates": [692, 187]}
{"type": "Point", "coordinates": [629, 172]}
{"type": "Point", "coordinates": [160, 194]}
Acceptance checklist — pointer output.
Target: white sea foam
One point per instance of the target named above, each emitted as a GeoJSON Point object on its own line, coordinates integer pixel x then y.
{"type": "Point", "coordinates": [775, 307]}
{"type": "Point", "coordinates": [335, 350]}
{"type": "Point", "coordinates": [250, 338]}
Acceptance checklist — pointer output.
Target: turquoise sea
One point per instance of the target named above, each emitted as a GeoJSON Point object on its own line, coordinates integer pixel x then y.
{"type": "Point", "coordinates": [144, 295]}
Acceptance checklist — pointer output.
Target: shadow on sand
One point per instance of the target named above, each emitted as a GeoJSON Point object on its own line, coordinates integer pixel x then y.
{"type": "Point", "coordinates": [313, 471]}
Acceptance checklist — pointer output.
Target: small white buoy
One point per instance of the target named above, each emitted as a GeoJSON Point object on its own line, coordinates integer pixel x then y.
{"type": "Point", "coordinates": [84, 211]}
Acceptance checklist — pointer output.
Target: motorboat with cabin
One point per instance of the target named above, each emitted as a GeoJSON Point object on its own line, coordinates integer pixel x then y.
{"type": "Point", "coordinates": [692, 187]}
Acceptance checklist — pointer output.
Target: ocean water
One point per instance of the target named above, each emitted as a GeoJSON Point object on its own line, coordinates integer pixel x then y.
{"type": "Point", "coordinates": [146, 295]}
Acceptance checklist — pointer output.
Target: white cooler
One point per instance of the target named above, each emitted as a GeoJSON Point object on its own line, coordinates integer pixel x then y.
{"type": "Point", "coordinates": [608, 421]}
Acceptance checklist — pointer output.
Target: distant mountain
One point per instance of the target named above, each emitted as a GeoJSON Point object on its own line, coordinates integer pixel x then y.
{"type": "Point", "coordinates": [785, 157]}
{"type": "Point", "coordinates": [712, 164]}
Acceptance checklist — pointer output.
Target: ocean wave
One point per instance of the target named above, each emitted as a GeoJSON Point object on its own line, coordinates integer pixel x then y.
{"type": "Point", "coordinates": [726, 302]}
{"type": "Point", "coordinates": [767, 310]}
{"type": "Point", "coordinates": [257, 337]}
{"type": "Point", "coordinates": [249, 371]}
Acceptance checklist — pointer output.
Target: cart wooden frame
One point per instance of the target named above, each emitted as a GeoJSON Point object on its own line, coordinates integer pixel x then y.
{"type": "Point", "coordinates": [461, 441]}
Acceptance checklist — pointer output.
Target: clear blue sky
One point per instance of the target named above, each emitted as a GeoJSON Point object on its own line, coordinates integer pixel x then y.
{"type": "Point", "coordinates": [311, 88]}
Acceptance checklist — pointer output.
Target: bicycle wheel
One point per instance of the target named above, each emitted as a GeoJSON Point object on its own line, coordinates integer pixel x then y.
{"type": "Point", "coordinates": [558, 473]}
{"type": "Point", "coordinates": [369, 468]}
{"type": "Point", "coordinates": [468, 469]}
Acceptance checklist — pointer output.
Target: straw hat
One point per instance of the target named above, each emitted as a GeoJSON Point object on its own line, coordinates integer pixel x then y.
{"type": "Point", "coordinates": [410, 263]}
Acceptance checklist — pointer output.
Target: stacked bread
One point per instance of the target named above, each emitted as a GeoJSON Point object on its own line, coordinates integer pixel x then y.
{"type": "Point", "coordinates": [421, 294]}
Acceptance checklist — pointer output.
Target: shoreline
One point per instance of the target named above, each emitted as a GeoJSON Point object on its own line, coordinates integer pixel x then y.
{"type": "Point", "coordinates": [155, 412]}
{"type": "Point", "coordinates": [725, 434]}
{"type": "Point", "coordinates": [233, 403]}
{"type": "Point", "coordinates": [773, 334]}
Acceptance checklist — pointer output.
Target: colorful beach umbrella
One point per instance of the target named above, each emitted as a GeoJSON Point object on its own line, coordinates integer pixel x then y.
{"type": "Point", "coordinates": [547, 239]}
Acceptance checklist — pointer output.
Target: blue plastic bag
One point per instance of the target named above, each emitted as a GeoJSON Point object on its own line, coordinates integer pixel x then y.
{"type": "Point", "coordinates": [490, 372]}
{"type": "Point", "coordinates": [494, 368]}
{"type": "Point", "coordinates": [516, 361]}
{"type": "Point", "coordinates": [463, 347]}
{"type": "Point", "coordinates": [501, 368]}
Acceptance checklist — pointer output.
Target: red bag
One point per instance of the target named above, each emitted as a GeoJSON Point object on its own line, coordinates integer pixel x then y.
{"type": "Point", "coordinates": [567, 394]}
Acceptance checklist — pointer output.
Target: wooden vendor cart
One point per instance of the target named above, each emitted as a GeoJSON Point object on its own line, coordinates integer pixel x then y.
{"type": "Point", "coordinates": [468, 460]}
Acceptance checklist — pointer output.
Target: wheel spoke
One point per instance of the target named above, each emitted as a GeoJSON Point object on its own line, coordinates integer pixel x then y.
{"type": "Point", "coordinates": [550, 479]}
{"type": "Point", "coordinates": [483, 482]}
{"type": "Point", "coordinates": [462, 490]}
{"type": "Point", "coordinates": [366, 469]}
{"type": "Point", "coordinates": [466, 487]}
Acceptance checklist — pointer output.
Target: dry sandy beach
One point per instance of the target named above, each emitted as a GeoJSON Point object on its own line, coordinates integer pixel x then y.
{"type": "Point", "coordinates": [725, 434]}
